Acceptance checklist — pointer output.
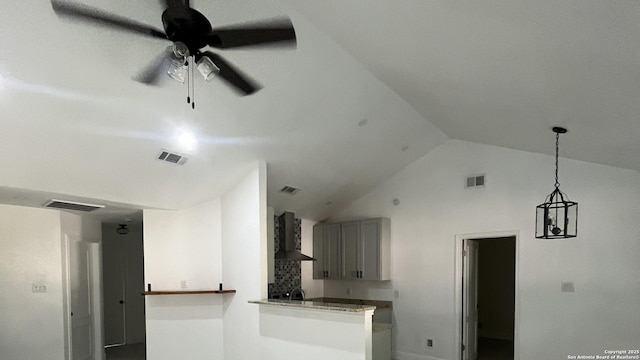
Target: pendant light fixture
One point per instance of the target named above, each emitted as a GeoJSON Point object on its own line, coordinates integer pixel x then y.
{"type": "Point", "coordinates": [123, 229]}
{"type": "Point", "coordinates": [557, 217]}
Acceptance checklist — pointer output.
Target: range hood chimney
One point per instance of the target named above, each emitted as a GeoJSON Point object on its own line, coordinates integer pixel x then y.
{"type": "Point", "coordinates": [287, 250]}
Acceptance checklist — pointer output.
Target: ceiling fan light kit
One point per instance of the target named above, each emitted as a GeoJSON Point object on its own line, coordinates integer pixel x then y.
{"type": "Point", "coordinates": [177, 55]}
{"type": "Point", "coordinates": [191, 33]}
{"type": "Point", "coordinates": [207, 68]}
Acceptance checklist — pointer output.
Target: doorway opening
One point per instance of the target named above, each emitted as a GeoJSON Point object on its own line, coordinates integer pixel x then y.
{"type": "Point", "coordinates": [123, 281]}
{"type": "Point", "coordinates": [486, 295]}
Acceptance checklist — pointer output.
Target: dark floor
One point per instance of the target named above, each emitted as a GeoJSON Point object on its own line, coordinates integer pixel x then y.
{"type": "Point", "coordinates": [494, 349]}
{"type": "Point", "coordinates": [127, 352]}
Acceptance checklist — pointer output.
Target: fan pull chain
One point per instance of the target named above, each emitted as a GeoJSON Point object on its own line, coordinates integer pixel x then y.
{"type": "Point", "coordinates": [188, 79]}
{"type": "Point", "coordinates": [193, 84]}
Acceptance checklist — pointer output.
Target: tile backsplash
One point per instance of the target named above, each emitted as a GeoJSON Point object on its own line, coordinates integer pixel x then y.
{"type": "Point", "coordinates": [287, 273]}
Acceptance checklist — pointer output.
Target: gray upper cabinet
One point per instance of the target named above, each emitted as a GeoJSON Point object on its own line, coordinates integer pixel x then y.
{"type": "Point", "coordinates": [351, 250]}
{"type": "Point", "coordinates": [364, 250]}
{"type": "Point", "coordinates": [326, 251]}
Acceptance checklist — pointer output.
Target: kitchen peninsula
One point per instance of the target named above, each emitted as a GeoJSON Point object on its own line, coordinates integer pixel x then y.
{"type": "Point", "coordinates": [336, 331]}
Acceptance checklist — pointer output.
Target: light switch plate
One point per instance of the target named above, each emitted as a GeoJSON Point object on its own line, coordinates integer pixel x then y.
{"type": "Point", "coordinates": [39, 288]}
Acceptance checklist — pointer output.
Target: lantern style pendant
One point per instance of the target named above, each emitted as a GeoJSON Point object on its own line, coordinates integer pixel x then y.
{"type": "Point", "coordinates": [557, 217]}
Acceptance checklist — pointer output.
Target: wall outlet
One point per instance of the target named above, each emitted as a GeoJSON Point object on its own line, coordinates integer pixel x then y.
{"type": "Point", "coordinates": [349, 291]}
{"type": "Point", "coordinates": [429, 342]}
{"type": "Point", "coordinates": [396, 294]}
{"type": "Point", "coordinates": [183, 284]}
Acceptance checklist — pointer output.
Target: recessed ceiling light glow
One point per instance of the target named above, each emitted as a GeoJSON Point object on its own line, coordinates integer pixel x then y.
{"type": "Point", "coordinates": [186, 140]}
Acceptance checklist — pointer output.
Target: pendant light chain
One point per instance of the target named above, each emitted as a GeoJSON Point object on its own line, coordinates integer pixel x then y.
{"type": "Point", "coordinates": [557, 184]}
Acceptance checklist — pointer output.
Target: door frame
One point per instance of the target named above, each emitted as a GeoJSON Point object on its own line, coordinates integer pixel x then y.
{"type": "Point", "coordinates": [459, 284]}
{"type": "Point", "coordinates": [95, 250]}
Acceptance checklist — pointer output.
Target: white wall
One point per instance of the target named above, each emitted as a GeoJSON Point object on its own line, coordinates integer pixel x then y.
{"type": "Point", "coordinates": [603, 313]}
{"type": "Point", "coordinates": [31, 323]}
{"type": "Point", "coordinates": [244, 250]}
{"type": "Point", "coordinates": [183, 245]}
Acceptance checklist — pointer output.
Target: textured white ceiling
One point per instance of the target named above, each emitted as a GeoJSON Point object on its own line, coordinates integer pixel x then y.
{"type": "Point", "coordinates": [504, 72]}
{"type": "Point", "coordinates": [496, 72]}
{"type": "Point", "coordinates": [75, 123]}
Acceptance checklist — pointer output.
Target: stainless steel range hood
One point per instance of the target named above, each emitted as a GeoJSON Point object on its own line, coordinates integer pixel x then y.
{"type": "Point", "coordinates": [287, 233]}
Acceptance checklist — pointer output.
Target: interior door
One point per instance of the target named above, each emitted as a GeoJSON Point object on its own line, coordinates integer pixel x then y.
{"type": "Point", "coordinates": [113, 261]}
{"type": "Point", "coordinates": [470, 305]}
{"type": "Point", "coordinates": [81, 284]}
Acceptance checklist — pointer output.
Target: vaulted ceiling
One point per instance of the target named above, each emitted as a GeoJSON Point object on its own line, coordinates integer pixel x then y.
{"type": "Point", "coordinates": [371, 87]}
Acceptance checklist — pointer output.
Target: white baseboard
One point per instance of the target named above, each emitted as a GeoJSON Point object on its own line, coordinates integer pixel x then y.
{"type": "Point", "coordinates": [407, 356]}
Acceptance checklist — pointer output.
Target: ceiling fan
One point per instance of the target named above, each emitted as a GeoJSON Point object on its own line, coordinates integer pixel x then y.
{"type": "Point", "coordinates": [191, 33]}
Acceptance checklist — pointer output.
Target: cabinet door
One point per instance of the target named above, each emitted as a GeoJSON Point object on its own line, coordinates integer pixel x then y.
{"type": "Point", "coordinates": [333, 252]}
{"type": "Point", "coordinates": [370, 240]}
{"type": "Point", "coordinates": [319, 252]}
{"type": "Point", "coordinates": [350, 250]}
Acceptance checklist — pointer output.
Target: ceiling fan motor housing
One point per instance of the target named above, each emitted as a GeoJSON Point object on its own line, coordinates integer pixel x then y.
{"type": "Point", "coordinates": [187, 26]}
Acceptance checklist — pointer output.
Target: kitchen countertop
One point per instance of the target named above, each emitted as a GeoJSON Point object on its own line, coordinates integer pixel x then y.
{"type": "Point", "coordinates": [315, 305]}
{"type": "Point", "coordinates": [379, 304]}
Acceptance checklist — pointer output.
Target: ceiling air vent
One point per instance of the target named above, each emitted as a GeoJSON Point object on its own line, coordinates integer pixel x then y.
{"type": "Point", "coordinates": [475, 181]}
{"type": "Point", "coordinates": [289, 190]}
{"type": "Point", "coordinates": [72, 205]}
{"type": "Point", "coordinates": [167, 156]}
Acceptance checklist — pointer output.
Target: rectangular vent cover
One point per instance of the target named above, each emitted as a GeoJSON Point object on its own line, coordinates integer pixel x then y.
{"type": "Point", "coordinates": [289, 190]}
{"type": "Point", "coordinates": [174, 158]}
{"type": "Point", "coordinates": [72, 205]}
{"type": "Point", "coordinates": [475, 181]}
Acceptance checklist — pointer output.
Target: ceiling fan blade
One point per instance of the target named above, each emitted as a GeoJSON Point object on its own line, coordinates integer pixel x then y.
{"type": "Point", "coordinates": [269, 32]}
{"type": "Point", "coordinates": [233, 76]}
{"type": "Point", "coordinates": [96, 16]}
{"type": "Point", "coordinates": [153, 72]}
